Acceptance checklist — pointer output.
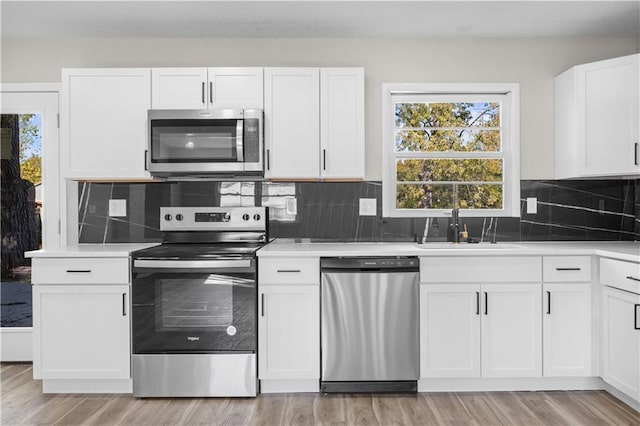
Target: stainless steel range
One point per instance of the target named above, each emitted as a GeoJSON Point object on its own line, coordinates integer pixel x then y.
{"type": "Point", "coordinates": [194, 304]}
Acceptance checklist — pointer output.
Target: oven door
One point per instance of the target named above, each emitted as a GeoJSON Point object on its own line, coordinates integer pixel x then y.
{"type": "Point", "coordinates": [206, 306]}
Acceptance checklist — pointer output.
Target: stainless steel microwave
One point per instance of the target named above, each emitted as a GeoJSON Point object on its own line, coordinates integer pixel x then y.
{"type": "Point", "coordinates": [227, 142]}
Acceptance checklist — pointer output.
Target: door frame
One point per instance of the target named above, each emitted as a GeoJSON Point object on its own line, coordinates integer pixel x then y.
{"type": "Point", "coordinates": [16, 343]}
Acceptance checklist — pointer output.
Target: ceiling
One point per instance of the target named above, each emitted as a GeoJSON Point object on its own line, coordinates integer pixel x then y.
{"type": "Point", "coordinates": [323, 18]}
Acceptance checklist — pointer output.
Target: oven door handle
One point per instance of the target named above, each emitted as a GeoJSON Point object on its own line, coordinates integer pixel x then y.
{"type": "Point", "coordinates": [192, 264]}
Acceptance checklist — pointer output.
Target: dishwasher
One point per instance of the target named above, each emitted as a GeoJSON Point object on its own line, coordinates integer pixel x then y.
{"type": "Point", "coordinates": [369, 324]}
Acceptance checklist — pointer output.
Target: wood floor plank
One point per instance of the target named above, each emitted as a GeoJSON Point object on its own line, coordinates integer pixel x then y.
{"type": "Point", "coordinates": [448, 410]}
{"type": "Point", "coordinates": [359, 410]}
{"type": "Point", "coordinates": [330, 409]}
{"type": "Point", "coordinates": [269, 409]}
{"type": "Point", "coordinates": [23, 403]}
{"type": "Point", "coordinates": [299, 409]}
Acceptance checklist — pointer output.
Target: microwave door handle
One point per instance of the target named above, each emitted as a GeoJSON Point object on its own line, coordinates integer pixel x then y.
{"type": "Point", "coordinates": [239, 144]}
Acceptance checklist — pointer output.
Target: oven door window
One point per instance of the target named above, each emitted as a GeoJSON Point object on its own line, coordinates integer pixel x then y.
{"type": "Point", "coordinates": [193, 141]}
{"type": "Point", "coordinates": [194, 312]}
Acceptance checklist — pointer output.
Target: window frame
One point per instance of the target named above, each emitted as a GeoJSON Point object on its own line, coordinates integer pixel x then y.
{"type": "Point", "coordinates": [510, 143]}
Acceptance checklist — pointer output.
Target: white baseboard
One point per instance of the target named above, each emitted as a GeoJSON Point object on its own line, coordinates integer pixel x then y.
{"type": "Point", "coordinates": [289, 385]}
{"type": "Point", "coordinates": [16, 344]}
{"type": "Point", "coordinates": [509, 384]}
{"type": "Point", "coordinates": [87, 386]}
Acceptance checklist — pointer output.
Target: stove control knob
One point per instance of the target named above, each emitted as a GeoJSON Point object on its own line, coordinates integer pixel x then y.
{"type": "Point", "coordinates": [179, 217]}
{"type": "Point", "coordinates": [227, 217]}
{"type": "Point", "coordinates": [245, 217]}
{"type": "Point", "coordinates": [168, 217]}
{"type": "Point", "coordinates": [256, 216]}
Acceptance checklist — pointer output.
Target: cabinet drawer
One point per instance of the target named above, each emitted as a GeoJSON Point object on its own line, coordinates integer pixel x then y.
{"type": "Point", "coordinates": [459, 269]}
{"type": "Point", "coordinates": [620, 274]}
{"type": "Point", "coordinates": [289, 271]}
{"type": "Point", "coordinates": [566, 268]}
{"type": "Point", "coordinates": [81, 270]}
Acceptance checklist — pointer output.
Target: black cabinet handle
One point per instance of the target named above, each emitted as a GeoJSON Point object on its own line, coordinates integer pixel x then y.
{"type": "Point", "coordinates": [633, 278]}
{"type": "Point", "coordinates": [635, 153]}
{"type": "Point", "coordinates": [79, 271]}
{"type": "Point", "coordinates": [635, 316]}
{"type": "Point", "coordinates": [486, 304]}
{"type": "Point", "coordinates": [268, 164]}
{"type": "Point", "coordinates": [324, 159]}
{"type": "Point", "coordinates": [262, 304]}
{"type": "Point", "coordinates": [211, 91]}
{"type": "Point", "coordinates": [203, 99]}
{"type": "Point", "coordinates": [145, 159]}
{"type": "Point", "coordinates": [289, 270]}
{"type": "Point", "coordinates": [477, 303]}
{"type": "Point", "coordinates": [567, 269]}
{"type": "Point", "coordinates": [124, 304]}
{"type": "Point", "coordinates": [548, 303]}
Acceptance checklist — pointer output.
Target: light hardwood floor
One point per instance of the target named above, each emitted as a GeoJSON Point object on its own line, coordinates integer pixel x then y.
{"type": "Point", "coordinates": [24, 403]}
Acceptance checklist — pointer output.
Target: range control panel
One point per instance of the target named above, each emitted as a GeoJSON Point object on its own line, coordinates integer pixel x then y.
{"type": "Point", "coordinates": [213, 218]}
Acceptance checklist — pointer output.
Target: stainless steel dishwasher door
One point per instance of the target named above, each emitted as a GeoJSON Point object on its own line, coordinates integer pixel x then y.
{"type": "Point", "coordinates": [370, 326]}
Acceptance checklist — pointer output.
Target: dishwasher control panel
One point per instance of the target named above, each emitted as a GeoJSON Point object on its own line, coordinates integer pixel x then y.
{"type": "Point", "coordinates": [400, 262]}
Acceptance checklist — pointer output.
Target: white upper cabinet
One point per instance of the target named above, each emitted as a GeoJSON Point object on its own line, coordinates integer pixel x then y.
{"type": "Point", "coordinates": [103, 125]}
{"type": "Point", "coordinates": [597, 119]}
{"type": "Point", "coordinates": [342, 122]}
{"type": "Point", "coordinates": [202, 88]}
{"type": "Point", "coordinates": [314, 123]}
{"type": "Point", "coordinates": [292, 122]}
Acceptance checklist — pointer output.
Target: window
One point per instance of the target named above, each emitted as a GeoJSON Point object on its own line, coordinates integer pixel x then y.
{"type": "Point", "coordinates": [450, 145]}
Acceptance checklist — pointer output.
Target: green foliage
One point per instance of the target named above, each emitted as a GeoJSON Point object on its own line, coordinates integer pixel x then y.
{"type": "Point", "coordinates": [448, 127]}
{"type": "Point", "coordinates": [31, 169]}
{"type": "Point", "coordinates": [30, 149]}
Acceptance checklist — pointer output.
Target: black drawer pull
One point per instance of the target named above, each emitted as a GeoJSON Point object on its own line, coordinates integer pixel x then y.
{"type": "Point", "coordinates": [79, 271]}
{"type": "Point", "coordinates": [633, 278]}
{"type": "Point", "coordinates": [290, 270]}
{"type": "Point", "coordinates": [486, 304]}
{"type": "Point", "coordinates": [262, 304]}
{"type": "Point", "coordinates": [548, 303]}
{"type": "Point", "coordinates": [477, 303]}
{"type": "Point", "coordinates": [568, 269]}
{"type": "Point", "coordinates": [124, 304]}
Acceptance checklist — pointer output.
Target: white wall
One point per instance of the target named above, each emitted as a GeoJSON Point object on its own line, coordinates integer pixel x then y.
{"type": "Point", "coordinates": [531, 62]}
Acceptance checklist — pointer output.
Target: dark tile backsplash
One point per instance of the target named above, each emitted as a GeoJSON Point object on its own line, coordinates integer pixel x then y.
{"type": "Point", "coordinates": [567, 210]}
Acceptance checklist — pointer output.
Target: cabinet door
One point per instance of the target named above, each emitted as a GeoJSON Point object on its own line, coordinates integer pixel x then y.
{"type": "Point", "coordinates": [621, 341]}
{"type": "Point", "coordinates": [342, 123]}
{"type": "Point", "coordinates": [289, 332]}
{"type": "Point", "coordinates": [511, 328]}
{"type": "Point", "coordinates": [104, 123]}
{"type": "Point", "coordinates": [567, 330]}
{"type": "Point", "coordinates": [292, 123]}
{"type": "Point", "coordinates": [81, 332]}
{"type": "Point", "coordinates": [236, 88]}
{"type": "Point", "coordinates": [179, 88]}
{"type": "Point", "coordinates": [609, 92]}
{"type": "Point", "coordinates": [450, 330]}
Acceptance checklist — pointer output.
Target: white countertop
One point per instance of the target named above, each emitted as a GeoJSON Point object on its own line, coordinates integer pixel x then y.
{"type": "Point", "coordinates": [629, 251]}
{"type": "Point", "coordinates": [91, 250]}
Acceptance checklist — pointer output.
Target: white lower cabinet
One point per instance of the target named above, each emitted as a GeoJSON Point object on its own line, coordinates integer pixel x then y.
{"type": "Point", "coordinates": [81, 331]}
{"type": "Point", "coordinates": [511, 330]}
{"type": "Point", "coordinates": [289, 324]}
{"type": "Point", "coordinates": [566, 328]}
{"type": "Point", "coordinates": [488, 330]}
{"type": "Point", "coordinates": [450, 324]}
{"type": "Point", "coordinates": [621, 340]}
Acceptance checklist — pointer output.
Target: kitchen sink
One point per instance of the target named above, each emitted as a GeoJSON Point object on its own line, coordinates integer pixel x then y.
{"type": "Point", "coordinates": [467, 246]}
